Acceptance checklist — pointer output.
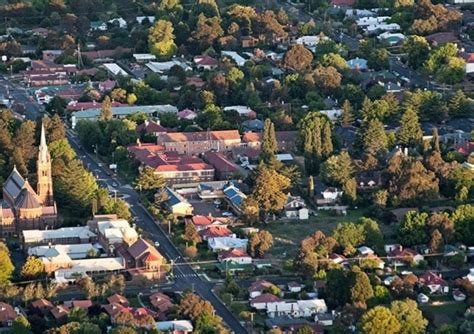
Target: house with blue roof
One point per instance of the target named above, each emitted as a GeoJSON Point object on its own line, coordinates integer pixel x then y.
{"type": "Point", "coordinates": [177, 204]}
{"type": "Point", "coordinates": [358, 64]}
{"type": "Point", "coordinates": [234, 197]}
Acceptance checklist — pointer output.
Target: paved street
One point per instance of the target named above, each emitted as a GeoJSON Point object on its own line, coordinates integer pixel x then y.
{"type": "Point", "coordinates": [185, 276]}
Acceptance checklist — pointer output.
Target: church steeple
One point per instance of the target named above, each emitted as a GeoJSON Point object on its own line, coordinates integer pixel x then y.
{"type": "Point", "coordinates": [45, 181]}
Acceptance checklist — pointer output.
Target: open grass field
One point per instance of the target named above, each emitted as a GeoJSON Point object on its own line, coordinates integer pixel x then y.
{"type": "Point", "coordinates": [287, 235]}
{"type": "Point", "coordinates": [445, 313]}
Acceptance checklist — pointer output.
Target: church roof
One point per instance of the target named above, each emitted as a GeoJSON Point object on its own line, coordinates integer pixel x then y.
{"type": "Point", "coordinates": [27, 199]}
{"type": "Point", "coordinates": [14, 183]}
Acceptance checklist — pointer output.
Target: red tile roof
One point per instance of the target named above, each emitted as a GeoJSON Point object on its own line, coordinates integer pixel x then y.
{"type": "Point", "coordinates": [260, 285]}
{"type": "Point", "coordinates": [84, 304]}
{"type": "Point", "coordinates": [215, 232]}
{"type": "Point", "coordinates": [150, 127]}
{"type": "Point", "coordinates": [113, 308]}
{"type": "Point", "coordinates": [59, 311]}
{"type": "Point", "coordinates": [161, 302]}
{"type": "Point", "coordinates": [265, 298]}
{"type": "Point", "coordinates": [202, 220]}
{"type": "Point", "coordinates": [200, 136]}
{"type": "Point", "coordinates": [431, 278]}
{"type": "Point", "coordinates": [119, 299]}
{"type": "Point", "coordinates": [220, 162]}
{"type": "Point", "coordinates": [232, 254]}
{"type": "Point", "coordinates": [205, 60]}
{"type": "Point", "coordinates": [7, 313]}
{"type": "Point", "coordinates": [466, 148]}
{"type": "Point", "coordinates": [42, 304]}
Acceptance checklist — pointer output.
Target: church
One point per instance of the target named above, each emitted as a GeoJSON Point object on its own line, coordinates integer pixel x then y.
{"type": "Point", "coordinates": [23, 208]}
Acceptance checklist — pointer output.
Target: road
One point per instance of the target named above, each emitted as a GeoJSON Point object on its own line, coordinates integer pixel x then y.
{"type": "Point", "coordinates": [20, 95]}
{"type": "Point", "coordinates": [184, 275]}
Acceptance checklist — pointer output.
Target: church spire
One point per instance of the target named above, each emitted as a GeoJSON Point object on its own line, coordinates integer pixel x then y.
{"type": "Point", "coordinates": [44, 187]}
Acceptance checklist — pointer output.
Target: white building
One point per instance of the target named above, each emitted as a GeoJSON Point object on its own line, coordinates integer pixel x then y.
{"type": "Point", "coordinates": [298, 309]}
{"type": "Point", "coordinates": [140, 19]}
{"type": "Point", "coordinates": [64, 235]}
{"type": "Point", "coordinates": [332, 193]}
{"type": "Point", "coordinates": [175, 326]}
{"type": "Point", "coordinates": [165, 66]}
{"type": "Point", "coordinates": [122, 24]}
{"type": "Point", "coordinates": [238, 59]}
{"type": "Point", "coordinates": [332, 114]}
{"type": "Point", "coordinates": [73, 251]}
{"type": "Point", "coordinates": [115, 69]}
{"type": "Point", "coordinates": [295, 207]}
{"type": "Point", "coordinates": [82, 268]}
{"type": "Point", "coordinates": [143, 57]}
{"type": "Point", "coordinates": [226, 243]}
{"type": "Point", "coordinates": [310, 40]}
{"type": "Point", "coordinates": [241, 110]}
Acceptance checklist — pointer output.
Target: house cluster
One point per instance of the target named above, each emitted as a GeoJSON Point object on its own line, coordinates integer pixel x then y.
{"type": "Point", "coordinates": [283, 311]}
{"type": "Point", "coordinates": [106, 245]}
{"type": "Point", "coordinates": [116, 306]}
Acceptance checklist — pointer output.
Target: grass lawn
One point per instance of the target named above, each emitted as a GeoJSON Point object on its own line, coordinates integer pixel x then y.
{"type": "Point", "coordinates": [445, 313]}
{"type": "Point", "coordinates": [134, 301]}
{"type": "Point", "coordinates": [288, 234]}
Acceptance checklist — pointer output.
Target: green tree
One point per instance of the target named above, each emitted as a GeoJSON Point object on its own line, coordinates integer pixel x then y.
{"type": "Point", "coordinates": [347, 113]}
{"type": "Point", "coordinates": [409, 316]}
{"type": "Point", "coordinates": [337, 170]}
{"type": "Point", "coordinates": [298, 58]}
{"type": "Point", "coordinates": [208, 29]}
{"type": "Point", "coordinates": [106, 110]}
{"type": "Point", "coordinates": [6, 264]}
{"type": "Point", "coordinates": [409, 132]}
{"type": "Point", "coordinates": [32, 268]}
{"type": "Point", "coordinates": [350, 190]}
{"type": "Point", "coordinates": [161, 39]}
{"type": "Point", "coordinates": [269, 190]}
{"type": "Point", "coordinates": [435, 140]}
{"type": "Point", "coordinates": [75, 188]}
{"type": "Point", "coordinates": [418, 49]}
{"type": "Point", "coordinates": [349, 236]}
{"type": "Point", "coordinates": [149, 182]}
{"type": "Point", "coordinates": [379, 320]}
{"type": "Point", "coordinates": [412, 229]}
{"type": "Point", "coordinates": [373, 236]}
{"type": "Point", "coordinates": [191, 234]}
{"type": "Point", "coordinates": [310, 186]}
{"type": "Point", "coordinates": [361, 289]}
{"type": "Point", "coordinates": [269, 143]}
{"type": "Point", "coordinates": [378, 60]}
{"type": "Point", "coordinates": [20, 325]}
{"type": "Point", "coordinates": [374, 139]}
{"type": "Point", "coordinates": [326, 140]}
{"type": "Point", "coordinates": [260, 243]}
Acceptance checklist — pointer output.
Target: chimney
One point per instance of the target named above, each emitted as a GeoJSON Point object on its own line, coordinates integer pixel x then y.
{"type": "Point", "coordinates": [158, 122]}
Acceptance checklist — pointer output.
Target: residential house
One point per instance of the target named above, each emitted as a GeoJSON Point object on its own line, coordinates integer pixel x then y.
{"type": "Point", "coordinates": [310, 41]}
{"type": "Point", "coordinates": [458, 295]}
{"type": "Point", "coordinates": [115, 232]}
{"type": "Point", "coordinates": [76, 106]}
{"type": "Point", "coordinates": [84, 304]}
{"type": "Point", "coordinates": [372, 261]}
{"type": "Point", "coordinates": [177, 204]}
{"type": "Point", "coordinates": [364, 250]}
{"type": "Point", "coordinates": [205, 62]}
{"type": "Point", "coordinates": [144, 57]}
{"type": "Point", "coordinates": [107, 85]}
{"type": "Point", "coordinates": [214, 231]}
{"type": "Point", "coordinates": [226, 243]}
{"type": "Point", "coordinates": [161, 302]}
{"type": "Point", "coordinates": [60, 313]}
{"type": "Point", "coordinates": [203, 222]}
{"type": "Point", "coordinates": [294, 287]}
{"type": "Point", "coordinates": [118, 299]}
{"type": "Point", "coordinates": [286, 140]}
{"type": "Point", "coordinates": [248, 41]}
{"type": "Point", "coordinates": [199, 142]}
{"type": "Point", "coordinates": [252, 125]}
{"type": "Point", "coordinates": [403, 257]}
{"type": "Point", "coordinates": [263, 301]}
{"type": "Point", "coordinates": [81, 268]}
{"type": "Point", "coordinates": [119, 22]}
{"type": "Point", "coordinates": [235, 255]}
{"type": "Point", "coordinates": [234, 197]}
{"type": "Point", "coordinates": [331, 195]}
{"type": "Point", "coordinates": [195, 81]}
{"type": "Point", "coordinates": [112, 309]}
{"type": "Point", "coordinates": [440, 38]}
{"type": "Point", "coordinates": [7, 315]}
{"type": "Point", "coordinates": [295, 207]}
{"type": "Point", "coordinates": [238, 59]}
{"type": "Point", "coordinates": [242, 111]}
{"type": "Point", "coordinates": [42, 306]}
{"type": "Point", "coordinates": [145, 19]}
{"type": "Point", "coordinates": [324, 319]}
{"type": "Point", "coordinates": [289, 325]}
{"type": "Point", "coordinates": [338, 259]}
{"type": "Point", "coordinates": [187, 114]}
{"type": "Point", "coordinates": [357, 64]}
{"type": "Point", "coordinates": [175, 326]}
{"type": "Point", "coordinates": [151, 127]}
{"type": "Point", "coordinates": [98, 26]}
{"type": "Point", "coordinates": [391, 38]}
{"type": "Point", "coordinates": [298, 309]}
{"type": "Point", "coordinates": [434, 282]}
{"type": "Point", "coordinates": [115, 70]}
{"type": "Point", "coordinates": [259, 287]}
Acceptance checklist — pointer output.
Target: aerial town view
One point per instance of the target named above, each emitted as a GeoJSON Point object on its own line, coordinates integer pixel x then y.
{"type": "Point", "coordinates": [236, 166]}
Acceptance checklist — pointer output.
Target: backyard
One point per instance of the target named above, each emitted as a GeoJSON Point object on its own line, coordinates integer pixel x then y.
{"type": "Point", "coordinates": [288, 234]}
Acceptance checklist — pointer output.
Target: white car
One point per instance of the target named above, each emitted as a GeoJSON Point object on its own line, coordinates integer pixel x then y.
{"type": "Point", "coordinates": [227, 214]}
{"type": "Point", "coordinates": [157, 244]}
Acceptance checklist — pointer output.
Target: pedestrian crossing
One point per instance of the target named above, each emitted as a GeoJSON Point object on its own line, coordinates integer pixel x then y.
{"type": "Point", "coordinates": [185, 275]}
